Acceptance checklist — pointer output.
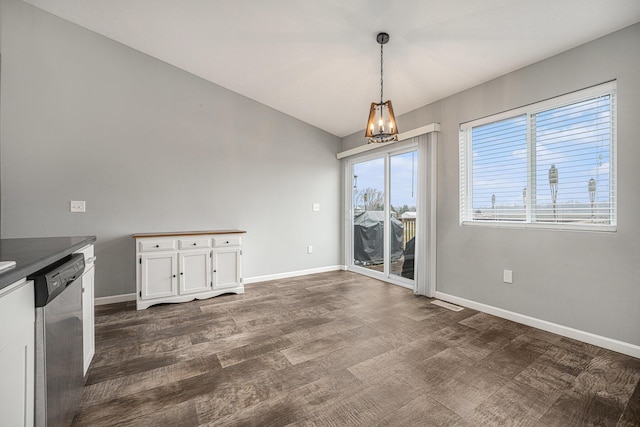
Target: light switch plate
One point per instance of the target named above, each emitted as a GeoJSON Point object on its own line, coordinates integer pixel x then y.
{"type": "Point", "coordinates": [507, 276]}
{"type": "Point", "coordinates": [77, 206]}
{"type": "Point", "coordinates": [316, 207]}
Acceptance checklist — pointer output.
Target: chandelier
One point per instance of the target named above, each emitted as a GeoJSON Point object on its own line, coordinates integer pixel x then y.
{"type": "Point", "coordinates": [381, 126]}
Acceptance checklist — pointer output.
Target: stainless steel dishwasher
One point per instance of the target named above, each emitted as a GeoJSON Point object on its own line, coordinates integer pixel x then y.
{"type": "Point", "coordinates": [58, 346]}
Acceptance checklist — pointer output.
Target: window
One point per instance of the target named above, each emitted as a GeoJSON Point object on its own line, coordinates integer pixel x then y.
{"type": "Point", "coordinates": [549, 165]}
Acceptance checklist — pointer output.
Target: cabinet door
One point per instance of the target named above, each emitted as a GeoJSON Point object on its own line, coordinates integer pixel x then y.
{"type": "Point", "coordinates": [195, 271]}
{"type": "Point", "coordinates": [158, 277]}
{"type": "Point", "coordinates": [226, 268]}
{"type": "Point", "coordinates": [17, 337]}
{"type": "Point", "coordinates": [88, 324]}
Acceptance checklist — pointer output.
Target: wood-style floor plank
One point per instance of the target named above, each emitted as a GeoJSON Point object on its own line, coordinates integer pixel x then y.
{"type": "Point", "coordinates": [338, 349]}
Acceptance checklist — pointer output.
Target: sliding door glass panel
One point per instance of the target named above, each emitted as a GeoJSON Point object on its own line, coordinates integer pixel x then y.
{"type": "Point", "coordinates": [403, 191]}
{"type": "Point", "coordinates": [368, 214]}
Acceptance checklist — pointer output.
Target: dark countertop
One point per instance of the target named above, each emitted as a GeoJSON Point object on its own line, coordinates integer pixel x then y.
{"type": "Point", "coordinates": [33, 254]}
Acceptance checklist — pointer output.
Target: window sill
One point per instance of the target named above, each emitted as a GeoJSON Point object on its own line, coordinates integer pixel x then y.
{"type": "Point", "coordinates": [609, 228]}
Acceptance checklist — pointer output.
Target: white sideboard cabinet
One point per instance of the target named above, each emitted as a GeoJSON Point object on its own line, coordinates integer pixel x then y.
{"type": "Point", "coordinates": [183, 266]}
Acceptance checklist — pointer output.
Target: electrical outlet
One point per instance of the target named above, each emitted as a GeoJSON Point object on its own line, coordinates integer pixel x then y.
{"type": "Point", "coordinates": [309, 249]}
{"type": "Point", "coordinates": [77, 206]}
{"type": "Point", "coordinates": [315, 207]}
{"type": "Point", "coordinates": [507, 276]}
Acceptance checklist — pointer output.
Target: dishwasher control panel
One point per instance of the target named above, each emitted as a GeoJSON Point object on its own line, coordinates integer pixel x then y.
{"type": "Point", "coordinates": [53, 279]}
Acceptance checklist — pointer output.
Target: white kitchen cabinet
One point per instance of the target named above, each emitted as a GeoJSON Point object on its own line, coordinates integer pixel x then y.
{"type": "Point", "coordinates": [88, 307]}
{"type": "Point", "coordinates": [88, 319]}
{"type": "Point", "coordinates": [183, 266]}
{"type": "Point", "coordinates": [17, 357]}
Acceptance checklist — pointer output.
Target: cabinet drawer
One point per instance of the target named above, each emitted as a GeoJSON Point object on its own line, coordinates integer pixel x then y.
{"type": "Point", "coordinates": [194, 243]}
{"type": "Point", "coordinates": [222, 241]}
{"type": "Point", "coordinates": [158, 245]}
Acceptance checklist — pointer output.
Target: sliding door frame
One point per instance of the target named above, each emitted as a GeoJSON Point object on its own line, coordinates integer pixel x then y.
{"type": "Point", "coordinates": [385, 156]}
{"type": "Point", "coordinates": [424, 140]}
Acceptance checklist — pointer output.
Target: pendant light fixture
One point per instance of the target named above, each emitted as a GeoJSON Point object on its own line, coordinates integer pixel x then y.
{"type": "Point", "coordinates": [381, 126]}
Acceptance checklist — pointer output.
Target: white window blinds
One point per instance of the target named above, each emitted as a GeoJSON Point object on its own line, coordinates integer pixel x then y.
{"type": "Point", "coordinates": [548, 164]}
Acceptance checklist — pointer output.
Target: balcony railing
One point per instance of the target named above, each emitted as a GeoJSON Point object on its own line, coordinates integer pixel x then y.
{"type": "Point", "coordinates": [409, 230]}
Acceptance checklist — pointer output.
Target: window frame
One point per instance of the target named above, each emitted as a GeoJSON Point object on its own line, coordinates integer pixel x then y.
{"type": "Point", "coordinates": [466, 161]}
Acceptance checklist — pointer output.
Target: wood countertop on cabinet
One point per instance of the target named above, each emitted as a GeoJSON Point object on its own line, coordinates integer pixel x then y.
{"type": "Point", "coordinates": [186, 233]}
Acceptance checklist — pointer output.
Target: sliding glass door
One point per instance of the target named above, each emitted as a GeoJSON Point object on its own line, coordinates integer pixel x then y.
{"type": "Point", "coordinates": [403, 179]}
{"type": "Point", "coordinates": [368, 206]}
{"type": "Point", "coordinates": [383, 215]}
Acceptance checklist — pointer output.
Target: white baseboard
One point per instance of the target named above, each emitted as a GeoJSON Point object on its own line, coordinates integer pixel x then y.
{"type": "Point", "coordinates": [267, 277]}
{"type": "Point", "coordinates": [604, 342]}
{"type": "Point", "coordinates": [114, 299]}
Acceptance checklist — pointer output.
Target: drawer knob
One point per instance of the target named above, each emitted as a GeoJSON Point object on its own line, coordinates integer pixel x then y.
{"type": "Point", "coordinates": [174, 275]}
{"type": "Point", "coordinates": [157, 246]}
{"type": "Point", "coordinates": [194, 244]}
{"type": "Point", "coordinates": [227, 242]}
{"type": "Point", "coordinates": [182, 274]}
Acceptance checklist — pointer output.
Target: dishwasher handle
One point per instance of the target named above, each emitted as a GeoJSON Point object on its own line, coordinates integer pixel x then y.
{"type": "Point", "coordinates": [70, 280]}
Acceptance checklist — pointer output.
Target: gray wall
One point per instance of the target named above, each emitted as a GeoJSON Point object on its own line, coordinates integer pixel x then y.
{"type": "Point", "coordinates": [585, 280]}
{"type": "Point", "coordinates": [152, 148]}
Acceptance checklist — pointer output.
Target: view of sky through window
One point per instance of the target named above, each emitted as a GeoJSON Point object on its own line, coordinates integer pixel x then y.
{"type": "Point", "coordinates": [370, 175]}
{"type": "Point", "coordinates": [499, 162]}
{"type": "Point", "coordinates": [574, 139]}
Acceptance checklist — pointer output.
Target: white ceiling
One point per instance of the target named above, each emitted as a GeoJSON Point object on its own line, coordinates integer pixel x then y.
{"type": "Point", "coordinates": [318, 60]}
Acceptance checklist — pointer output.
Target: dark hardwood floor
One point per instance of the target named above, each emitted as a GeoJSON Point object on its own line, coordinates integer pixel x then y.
{"type": "Point", "coordinates": [340, 349]}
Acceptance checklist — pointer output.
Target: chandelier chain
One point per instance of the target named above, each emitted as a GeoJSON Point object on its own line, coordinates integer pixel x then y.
{"type": "Point", "coordinates": [381, 73]}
